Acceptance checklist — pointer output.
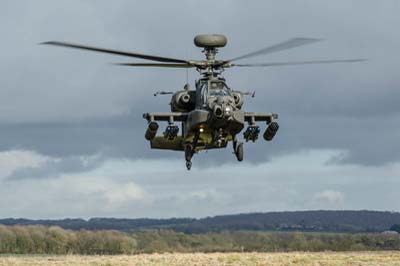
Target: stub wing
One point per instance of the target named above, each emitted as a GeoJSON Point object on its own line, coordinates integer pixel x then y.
{"type": "Point", "coordinates": [252, 117]}
{"type": "Point", "coordinates": [164, 142]}
{"type": "Point", "coordinates": [167, 116]}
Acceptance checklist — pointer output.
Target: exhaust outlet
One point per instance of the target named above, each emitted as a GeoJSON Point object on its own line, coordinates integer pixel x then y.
{"type": "Point", "coordinates": [185, 98]}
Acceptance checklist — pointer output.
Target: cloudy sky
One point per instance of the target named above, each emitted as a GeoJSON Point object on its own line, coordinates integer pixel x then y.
{"type": "Point", "coordinates": [72, 130]}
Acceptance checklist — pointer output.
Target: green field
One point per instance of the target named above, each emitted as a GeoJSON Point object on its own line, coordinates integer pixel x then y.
{"type": "Point", "coordinates": [175, 259]}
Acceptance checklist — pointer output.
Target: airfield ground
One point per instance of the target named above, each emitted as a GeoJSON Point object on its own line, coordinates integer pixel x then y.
{"type": "Point", "coordinates": [270, 259]}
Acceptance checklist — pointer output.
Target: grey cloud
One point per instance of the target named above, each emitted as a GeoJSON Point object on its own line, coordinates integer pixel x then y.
{"type": "Point", "coordinates": [125, 188]}
{"type": "Point", "coordinates": [54, 168]}
{"type": "Point", "coordinates": [371, 141]}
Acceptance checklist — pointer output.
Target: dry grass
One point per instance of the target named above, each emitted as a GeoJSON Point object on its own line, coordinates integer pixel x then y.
{"type": "Point", "coordinates": [272, 259]}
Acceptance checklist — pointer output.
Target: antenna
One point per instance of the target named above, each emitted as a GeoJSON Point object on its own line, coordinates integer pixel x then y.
{"type": "Point", "coordinates": [187, 69]}
{"type": "Point", "coordinates": [162, 93]}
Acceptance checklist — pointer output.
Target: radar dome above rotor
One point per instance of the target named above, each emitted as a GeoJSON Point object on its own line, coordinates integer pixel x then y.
{"type": "Point", "coordinates": [210, 40]}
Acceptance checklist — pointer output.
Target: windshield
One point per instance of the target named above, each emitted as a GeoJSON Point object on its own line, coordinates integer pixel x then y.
{"type": "Point", "coordinates": [218, 89]}
{"type": "Point", "coordinates": [218, 92]}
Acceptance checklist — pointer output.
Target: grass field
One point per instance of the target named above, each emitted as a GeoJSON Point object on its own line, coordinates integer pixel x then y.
{"type": "Point", "coordinates": [273, 259]}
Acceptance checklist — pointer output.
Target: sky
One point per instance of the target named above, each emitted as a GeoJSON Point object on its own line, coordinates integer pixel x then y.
{"type": "Point", "coordinates": [72, 133]}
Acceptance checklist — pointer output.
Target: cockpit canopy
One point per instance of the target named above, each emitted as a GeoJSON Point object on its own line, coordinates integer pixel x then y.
{"type": "Point", "coordinates": [211, 91]}
{"type": "Point", "coordinates": [218, 92]}
{"type": "Point", "coordinates": [217, 84]}
{"type": "Point", "coordinates": [213, 88]}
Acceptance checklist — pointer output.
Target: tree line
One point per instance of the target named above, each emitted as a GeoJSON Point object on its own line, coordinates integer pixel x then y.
{"type": "Point", "coordinates": [55, 240]}
{"type": "Point", "coordinates": [316, 221]}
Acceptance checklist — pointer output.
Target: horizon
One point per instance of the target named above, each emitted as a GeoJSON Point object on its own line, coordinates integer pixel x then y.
{"type": "Point", "coordinates": [194, 218]}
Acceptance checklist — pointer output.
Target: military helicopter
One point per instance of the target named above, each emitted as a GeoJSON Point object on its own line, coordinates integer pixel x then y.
{"type": "Point", "coordinates": [210, 115]}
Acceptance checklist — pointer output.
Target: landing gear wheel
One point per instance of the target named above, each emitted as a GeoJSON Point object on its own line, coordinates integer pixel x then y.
{"type": "Point", "coordinates": [188, 165]}
{"type": "Point", "coordinates": [239, 152]}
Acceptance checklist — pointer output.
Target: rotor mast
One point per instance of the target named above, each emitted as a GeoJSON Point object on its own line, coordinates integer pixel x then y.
{"type": "Point", "coordinates": [210, 43]}
{"type": "Point", "coordinates": [210, 69]}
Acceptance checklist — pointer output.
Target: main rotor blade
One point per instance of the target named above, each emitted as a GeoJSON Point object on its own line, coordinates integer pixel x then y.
{"type": "Point", "coordinates": [155, 65]}
{"type": "Point", "coordinates": [109, 51]}
{"type": "Point", "coordinates": [300, 63]}
{"type": "Point", "coordinates": [291, 43]}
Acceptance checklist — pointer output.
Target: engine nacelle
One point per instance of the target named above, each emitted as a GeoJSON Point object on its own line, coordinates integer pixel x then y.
{"type": "Point", "coordinates": [182, 101]}
{"type": "Point", "coordinates": [238, 98]}
{"type": "Point", "coordinates": [151, 131]}
{"type": "Point", "coordinates": [271, 130]}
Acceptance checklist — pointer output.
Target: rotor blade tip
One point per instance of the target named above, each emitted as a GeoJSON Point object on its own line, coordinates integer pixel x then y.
{"type": "Point", "coordinates": [51, 43]}
{"type": "Point", "coordinates": [310, 39]}
{"type": "Point", "coordinates": [118, 64]}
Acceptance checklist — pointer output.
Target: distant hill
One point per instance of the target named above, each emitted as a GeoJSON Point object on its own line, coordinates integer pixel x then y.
{"type": "Point", "coordinates": [318, 221]}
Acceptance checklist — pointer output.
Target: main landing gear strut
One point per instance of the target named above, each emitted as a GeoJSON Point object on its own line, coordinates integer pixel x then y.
{"type": "Point", "coordinates": [190, 149]}
{"type": "Point", "coordinates": [238, 149]}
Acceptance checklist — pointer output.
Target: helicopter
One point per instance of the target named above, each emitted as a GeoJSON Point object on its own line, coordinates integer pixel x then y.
{"type": "Point", "coordinates": [211, 115]}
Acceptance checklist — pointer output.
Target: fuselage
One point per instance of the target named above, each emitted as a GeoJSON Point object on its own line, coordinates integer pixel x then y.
{"type": "Point", "coordinates": [214, 113]}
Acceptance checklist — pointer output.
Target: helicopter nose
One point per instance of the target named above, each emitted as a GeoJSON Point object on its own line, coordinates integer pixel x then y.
{"type": "Point", "coordinates": [222, 111]}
